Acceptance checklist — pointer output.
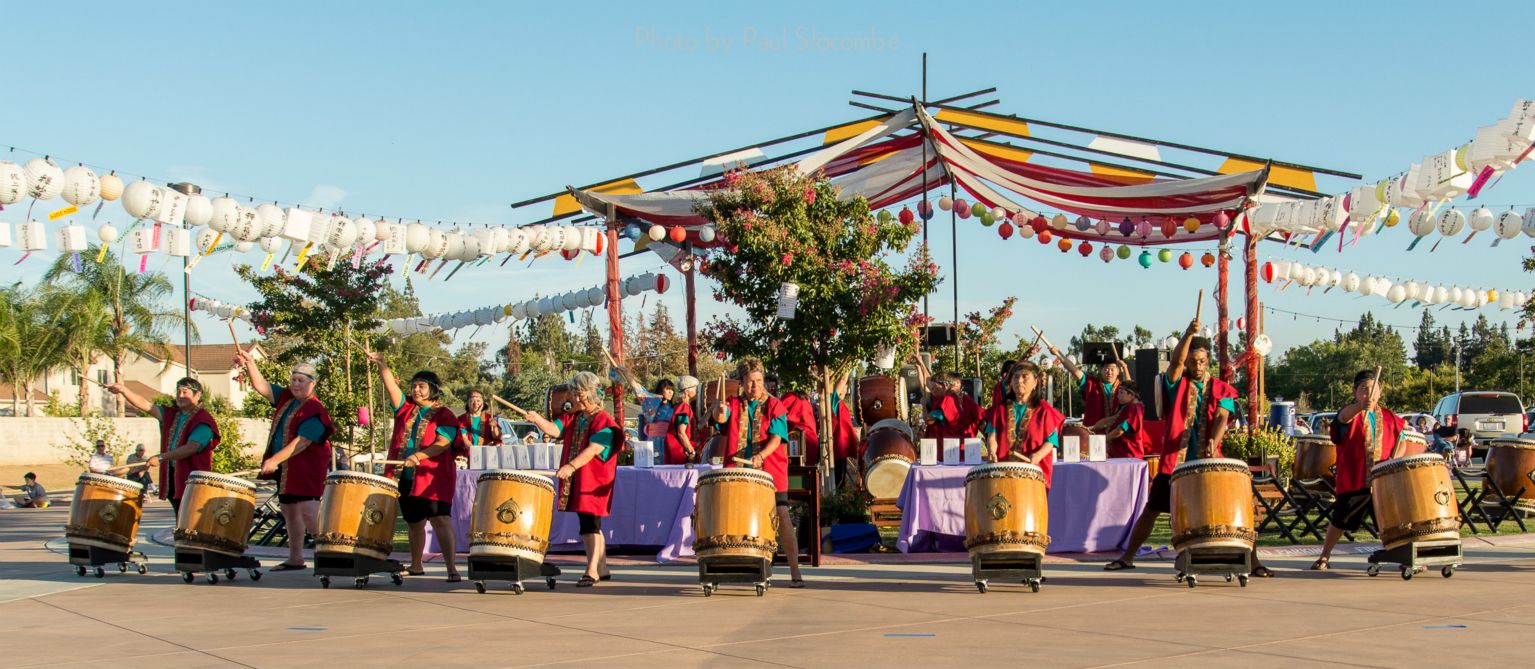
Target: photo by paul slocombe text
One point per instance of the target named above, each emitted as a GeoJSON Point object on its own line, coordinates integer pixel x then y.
{"type": "Point", "coordinates": [753, 39]}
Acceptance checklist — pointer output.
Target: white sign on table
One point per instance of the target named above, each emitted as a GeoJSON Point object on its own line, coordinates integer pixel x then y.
{"type": "Point", "coordinates": [1071, 449]}
{"type": "Point", "coordinates": [928, 454]}
{"type": "Point", "coordinates": [1097, 448]}
{"type": "Point", "coordinates": [973, 448]}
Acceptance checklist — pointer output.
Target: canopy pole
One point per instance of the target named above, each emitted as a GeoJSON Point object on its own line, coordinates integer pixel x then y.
{"type": "Point", "coordinates": [1255, 391]}
{"type": "Point", "coordinates": [690, 288]}
{"type": "Point", "coordinates": [615, 312]}
{"type": "Point", "coordinates": [1222, 306]}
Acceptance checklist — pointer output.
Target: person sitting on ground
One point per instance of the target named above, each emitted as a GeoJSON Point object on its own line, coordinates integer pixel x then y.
{"type": "Point", "coordinates": [33, 496]}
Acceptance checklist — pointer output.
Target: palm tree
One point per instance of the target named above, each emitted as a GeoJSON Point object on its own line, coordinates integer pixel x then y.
{"type": "Point", "coordinates": [137, 322]}
{"type": "Point", "coordinates": [33, 338]}
{"type": "Point", "coordinates": [88, 324]}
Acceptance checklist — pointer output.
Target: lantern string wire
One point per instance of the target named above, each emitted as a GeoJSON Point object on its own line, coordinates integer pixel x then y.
{"type": "Point", "coordinates": [1345, 321]}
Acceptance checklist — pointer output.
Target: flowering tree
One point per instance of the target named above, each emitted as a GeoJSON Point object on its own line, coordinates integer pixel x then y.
{"type": "Point", "coordinates": [783, 227]}
{"type": "Point", "coordinates": [978, 335]}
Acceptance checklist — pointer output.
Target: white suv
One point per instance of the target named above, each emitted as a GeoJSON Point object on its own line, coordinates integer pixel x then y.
{"type": "Point", "coordinates": [1486, 414]}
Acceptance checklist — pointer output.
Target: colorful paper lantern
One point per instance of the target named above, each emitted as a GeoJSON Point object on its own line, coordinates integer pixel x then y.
{"type": "Point", "coordinates": [1145, 259]}
{"type": "Point", "coordinates": [1169, 228]}
{"type": "Point", "coordinates": [1191, 225]}
{"type": "Point", "coordinates": [985, 217]}
{"type": "Point", "coordinates": [111, 187]}
{"type": "Point", "coordinates": [962, 209]}
{"type": "Point", "coordinates": [1106, 254]}
{"type": "Point", "coordinates": [678, 234]}
{"type": "Point", "coordinates": [1208, 260]}
{"type": "Point", "coordinates": [1064, 245]}
{"type": "Point", "coordinates": [1186, 260]}
{"type": "Point", "coordinates": [1164, 255]}
{"type": "Point", "coordinates": [946, 203]}
{"type": "Point", "coordinates": [1059, 222]}
{"type": "Point", "coordinates": [1102, 227]}
{"type": "Point", "coordinates": [1082, 224]}
{"type": "Point", "coordinates": [1123, 252]}
{"type": "Point", "coordinates": [883, 216]}
{"type": "Point", "coordinates": [1005, 230]}
{"type": "Point", "coordinates": [1044, 236]}
{"type": "Point", "coordinates": [1126, 228]}
{"type": "Point", "coordinates": [906, 217]}
{"type": "Point", "coordinates": [1085, 248]}
{"type": "Point", "coordinates": [978, 209]}
{"type": "Point", "coordinates": [925, 209]}
{"type": "Point", "coordinates": [1143, 229]}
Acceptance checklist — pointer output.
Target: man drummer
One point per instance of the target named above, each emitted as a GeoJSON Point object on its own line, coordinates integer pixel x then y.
{"type": "Point", "coordinates": [1126, 429]}
{"type": "Point", "coordinates": [1362, 432]}
{"type": "Point", "coordinates": [423, 436]}
{"type": "Point", "coordinates": [951, 413]}
{"type": "Point", "coordinates": [756, 426]}
{"type": "Point", "coordinates": [188, 436]}
{"type": "Point", "coordinates": [1024, 427]}
{"type": "Point", "coordinates": [298, 451]}
{"type": "Point", "coordinates": [1099, 400]}
{"type": "Point", "coordinates": [590, 440]}
{"type": "Point", "coordinates": [1200, 408]}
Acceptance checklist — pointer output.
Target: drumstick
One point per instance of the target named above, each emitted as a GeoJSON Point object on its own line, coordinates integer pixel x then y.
{"type": "Point", "coordinates": [1200, 304]}
{"type": "Point", "coordinates": [244, 473]}
{"type": "Point", "coordinates": [232, 335]}
{"type": "Point", "coordinates": [740, 461]}
{"type": "Point", "coordinates": [509, 405]}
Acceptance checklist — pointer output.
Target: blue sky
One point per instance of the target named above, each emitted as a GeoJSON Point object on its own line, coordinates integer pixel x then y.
{"type": "Point", "coordinates": [452, 112]}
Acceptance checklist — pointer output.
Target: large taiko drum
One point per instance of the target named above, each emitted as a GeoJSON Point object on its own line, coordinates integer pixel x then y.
{"type": "Point", "coordinates": [1414, 443]}
{"type": "Point", "coordinates": [880, 398]}
{"type": "Point", "coordinates": [711, 392]}
{"type": "Point", "coordinates": [1006, 510]}
{"type": "Point", "coordinates": [559, 401]}
{"type": "Point", "coordinates": [714, 448]}
{"type": "Point", "coordinates": [216, 515]}
{"type": "Point", "coordinates": [357, 515]}
{"type": "Point", "coordinates": [735, 515]}
{"type": "Point", "coordinates": [512, 511]}
{"type": "Point", "coordinates": [888, 454]}
{"type": "Point", "coordinates": [105, 512]}
{"type": "Point", "coordinates": [1511, 465]}
{"type": "Point", "coordinates": [1414, 500]}
{"type": "Point", "coordinates": [1212, 505]}
{"type": "Point", "coordinates": [1316, 457]}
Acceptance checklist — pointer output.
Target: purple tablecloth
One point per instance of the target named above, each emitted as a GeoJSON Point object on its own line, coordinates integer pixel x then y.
{"type": "Point", "coordinates": [1092, 506]}
{"type": "Point", "coordinates": [651, 507]}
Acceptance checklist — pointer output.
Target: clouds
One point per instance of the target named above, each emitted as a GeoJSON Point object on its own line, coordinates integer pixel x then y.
{"type": "Point", "coordinates": [324, 196]}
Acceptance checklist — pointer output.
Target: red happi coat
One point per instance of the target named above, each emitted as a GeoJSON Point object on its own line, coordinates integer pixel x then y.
{"type": "Point", "coordinates": [1137, 442]}
{"type": "Point", "coordinates": [435, 476]}
{"type": "Point", "coordinates": [1353, 441]}
{"type": "Point", "coordinates": [675, 455]}
{"type": "Point", "coordinates": [590, 488]}
{"type": "Point", "coordinates": [801, 415]}
{"type": "Point", "coordinates": [777, 463]}
{"type": "Point", "coordinates": [304, 473]}
{"type": "Point", "coordinates": [844, 436]}
{"type": "Point", "coordinates": [961, 417]}
{"type": "Point", "coordinates": [173, 476]}
{"type": "Point", "coordinates": [1096, 402]}
{"type": "Point", "coordinates": [1043, 421]}
{"type": "Point", "coordinates": [489, 434]}
{"type": "Point", "coordinates": [1177, 417]}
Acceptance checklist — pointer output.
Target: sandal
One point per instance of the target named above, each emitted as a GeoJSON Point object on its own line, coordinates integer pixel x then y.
{"type": "Point", "coordinates": [586, 582]}
{"type": "Point", "coordinates": [1262, 572]}
{"type": "Point", "coordinates": [289, 567]}
{"type": "Point", "coordinates": [1118, 565]}
{"type": "Point", "coordinates": [1321, 564]}
{"type": "Point", "coordinates": [605, 577]}
{"type": "Point", "coordinates": [797, 583]}
{"type": "Point", "coordinates": [455, 578]}
{"type": "Point", "coordinates": [415, 573]}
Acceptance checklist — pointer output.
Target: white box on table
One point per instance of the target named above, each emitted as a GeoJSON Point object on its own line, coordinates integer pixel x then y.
{"type": "Point", "coordinates": [1071, 449]}
{"type": "Point", "coordinates": [928, 452]}
{"type": "Point", "coordinates": [973, 448]}
{"type": "Point", "coordinates": [1097, 448]}
{"type": "Point", "coordinates": [644, 453]}
{"type": "Point", "coordinates": [506, 457]}
{"type": "Point", "coordinates": [543, 456]}
{"type": "Point", "coordinates": [953, 451]}
{"type": "Point", "coordinates": [477, 457]}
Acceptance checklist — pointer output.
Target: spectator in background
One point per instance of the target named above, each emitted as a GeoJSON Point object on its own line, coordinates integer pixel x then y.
{"type": "Point", "coordinates": [101, 462]}
{"type": "Point", "coordinates": [140, 475]}
{"type": "Point", "coordinates": [33, 496]}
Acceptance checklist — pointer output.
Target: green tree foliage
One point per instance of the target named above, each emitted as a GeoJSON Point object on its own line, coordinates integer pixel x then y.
{"type": "Point", "coordinates": [35, 337]}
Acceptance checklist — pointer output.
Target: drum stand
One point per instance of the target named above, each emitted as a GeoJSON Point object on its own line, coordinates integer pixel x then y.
{"type": "Point", "coordinates": [1223, 560]}
{"type": "Point", "coordinates": [359, 567]}
{"type": "Point", "coordinates": [190, 561]}
{"type": "Point", "coordinates": [515, 570]}
{"type": "Point", "coordinates": [714, 571]}
{"type": "Point", "coordinates": [86, 557]}
{"type": "Point", "coordinates": [1418, 556]}
{"type": "Point", "coordinates": [1010, 566]}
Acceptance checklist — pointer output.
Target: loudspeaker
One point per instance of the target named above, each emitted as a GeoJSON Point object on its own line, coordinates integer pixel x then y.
{"type": "Point", "coordinates": [941, 334]}
{"type": "Point", "coordinates": [971, 385]}
{"type": "Point", "coordinates": [1150, 364]}
{"type": "Point", "coordinates": [1102, 353]}
{"type": "Point", "coordinates": [913, 384]}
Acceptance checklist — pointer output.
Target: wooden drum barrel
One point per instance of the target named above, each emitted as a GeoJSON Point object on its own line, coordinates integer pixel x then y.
{"type": "Point", "coordinates": [357, 515]}
{"type": "Point", "coordinates": [888, 454]}
{"type": "Point", "coordinates": [512, 511]}
{"type": "Point", "coordinates": [1212, 505]}
{"type": "Point", "coordinates": [217, 512]}
{"type": "Point", "coordinates": [1006, 510]}
{"type": "Point", "coordinates": [105, 512]}
{"type": "Point", "coordinates": [1414, 500]}
{"type": "Point", "coordinates": [714, 448]}
{"type": "Point", "coordinates": [735, 515]}
{"type": "Point", "coordinates": [880, 398]}
{"type": "Point", "coordinates": [1511, 464]}
{"type": "Point", "coordinates": [559, 401]}
{"type": "Point", "coordinates": [1316, 457]}
{"type": "Point", "coordinates": [711, 393]}
{"type": "Point", "coordinates": [1414, 443]}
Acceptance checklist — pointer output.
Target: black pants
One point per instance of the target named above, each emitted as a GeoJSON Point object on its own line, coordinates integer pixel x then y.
{"type": "Point", "coordinates": [590, 524]}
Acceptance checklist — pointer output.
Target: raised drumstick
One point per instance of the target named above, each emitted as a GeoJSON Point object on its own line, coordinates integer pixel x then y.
{"type": "Point", "coordinates": [1200, 304]}
{"type": "Point", "coordinates": [232, 336]}
{"type": "Point", "coordinates": [509, 405]}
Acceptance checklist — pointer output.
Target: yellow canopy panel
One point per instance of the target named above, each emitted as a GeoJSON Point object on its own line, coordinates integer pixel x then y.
{"type": "Point", "coordinates": [566, 204]}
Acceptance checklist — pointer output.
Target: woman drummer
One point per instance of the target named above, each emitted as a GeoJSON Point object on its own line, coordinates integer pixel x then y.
{"type": "Point", "coordinates": [1023, 427]}
{"type": "Point", "coordinates": [478, 426]}
{"type": "Point", "coordinates": [679, 434]}
{"type": "Point", "coordinates": [298, 451]}
{"type": "Point", "coordinates": [423, 437]}
{"type": "Point", "coordinates": [590, 440]}
{"type": "Point", "coordinates": [1127, 434]}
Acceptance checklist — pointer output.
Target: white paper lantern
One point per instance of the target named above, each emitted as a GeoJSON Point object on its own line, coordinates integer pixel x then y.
{"type": "Point", "coordinates": [1350, 282]}
{"type": "Point", "coordinates": [1309, 277]}
{"type": "Point", "coordinates": [1456, 293]}
{"type": "Point", "coordinates": [547, 305]}
{"type": "Point", "coordinates": [469, 249]}
{"type": "Point", "coordinates": [44, 179]}
{"type": "Point", "coordinates": [706, 234]}
{"type": "Point", "coordinates": [945, 203]}
{"type": "Point", "coordinates": [247, 226]}
{"type": "Point", "coordinates": [1334, 278]}
{"type": "Point", "coordinates": [225, 213]}
{"type": "Point", "coordinates": [438, 246]}
{"type": "Point", "coordinates": [272, 218]}
{"type": "Point", "coordinates": [1367, 286]}
{"type": "Point", "coordinates": [341, 234]}
{"type": "Point", "coordinates": [107, 233]}
{"type": "Point", "coordinates": [1419, 223]}
{"type": "Point", "coordinates": [517, 242]}
{"type": "Point", "coordinates": [1441, 294]}
{"type": "Point", "coordinates": [657, 233]}
{"type": "Point", "coordinates": [519, 311]}
{"type": "Point", "coordinates": [1520, 299]}
{"type": "Point", "coordinates": [111, 187]}
{"type": "Point", "coordinates": [1282, 270]}
{"type": "Point", "coordinates": [13, 182]}
{"type": "Point", "coordinates": [1451, 222]}
{"type": "Point", "coordinates": [271, 244]}
{"type": "Point", "coordinates": [572, 240]}
{"type": "Point", "coordinates": [142, 199]}
{"type": "Point", "coordinates": [70, 238]}
{"type": "Point", "coordinates": [1396, 294]}
{"type": "Point", "coordinates": [1508, 225]}
{"type": "Point", "coordinates": [205, 239]}
{"type": "Point", "coordinates": [568, 301]}
{"type": "Point", "coordinates": [596, 296]}
{"type": "Point", "coordinates": [1506, 300]}
{"type": "Point", "coordinates": [364, 230]}
{"type": "Point", "coordinates": [1529, 222]}
{"type": "Point", "coordinates": [319, 228]}
{"type": "Point", "coordinates": [81, 186]}
{"type": "Point", "coordinates": [199, 211]}
{"type": "Point", "coordinates": [1026, 232]}
{"type": "Point", "coordinates": [1480, 219]}
{"type": "Point", "coordinates": [417, 236]}
{"type": "Point", "coordinates": [1262, 345]}
{"type": "Point", "coordinates": [384, 231]}
{"type": "Point", "coordinates": [453, 247]}
{"type": "Point", "coordinates": [1414, 290]}
{"type": "Point", "coordinates": [244, 246]}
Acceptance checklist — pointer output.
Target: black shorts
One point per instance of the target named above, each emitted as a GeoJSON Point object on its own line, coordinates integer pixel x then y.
{"type": "Point", "coordinates": [782, 498]}
{"type": "Point", "coordinates": [1349, 509]}
{"type": "Point", "coordinates": [416, 509]}
{"type": "Point", "coordinates": [295, 499]}
{"type": "Point", "coordinates": [1161, 498]}
{"type": "Point", "coordinates": [590, 523]}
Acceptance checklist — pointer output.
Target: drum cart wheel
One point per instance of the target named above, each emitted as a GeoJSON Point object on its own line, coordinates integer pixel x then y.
{"type": "Point", "coordinates": [397, 579]}
{"type": "Point", "coordinates": [360, 582]}
{"type": "Point", "coordinates": [517, 588]}
{"type": "Point", "coordinates": [709, 589]}
{"type": "Point", "coordinates": [744, 570]}
{"type": "Point", "coordinates": [122, 567]}
{"type": "Point", "coordinates": [357, 567]}
{"type": "Point", "coordinates": [1012, 566]}
{"type": "Point", "coordinates": [1242, 580]}
{"type": "Point", "coordinates": [92, 560]}
{"type": "Point", "coordinates": [1447, 571]}
{"type": "Point", "coordinates": [479, 586]}
{"type": "Point", "coordinates": [1192, 580]}
{"type": "Point", "coordinates": [1034, 584]}
{"type": "Point", "coordinates": [188, 577]}
{"type": "Point", "coordinates": [325, 582]}
{"type": "Point", "coordinates": [1418, 556]}
{"type": "Point", "coordinates": [213, 578]}
{"type": "Point", "coordinates": [1224, 561]}
{"type": "Point", "coordinates": [80, 570]}
{"type": "Point", "coordinates": [1372, 570]}
{"type": "Point", "coordinates": [100, 573]}
{"type": "Point", "coordinates": [230, 574]}
{"type": "Point", "coordinates": [512, 570]}
{"type": "Point", "coordinates": [191, 561]}
{"type": "Point", "coordinates": [549, 582]}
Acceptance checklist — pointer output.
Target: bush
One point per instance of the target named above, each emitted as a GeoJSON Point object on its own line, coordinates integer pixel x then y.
{"type": "Point", "coordinates": [90, 428]}
{"type": "Point", "coordinates": [846, 505]}
{"type": "Point", "coordinates": [58, 409]}
{"type": "Point", "coordinates": [1245, 444]}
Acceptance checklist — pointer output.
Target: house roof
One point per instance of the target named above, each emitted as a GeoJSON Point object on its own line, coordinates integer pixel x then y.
{"type": "Point", "coordinates": [7, 394]}
{"type": "Point", "coordinates": [210, 357]}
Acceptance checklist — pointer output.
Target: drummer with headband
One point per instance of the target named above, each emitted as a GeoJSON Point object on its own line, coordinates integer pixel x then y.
{"type": "Point", "coordinates": [590, 441]}
{"type": "Point", "coordinates": [1100, 401]}
{"type": "Point", "coordinates": [188, 436]}
{"type": "Point", "coordinates": [951, 413]}
{"type": "Point", "coordinates": [756, 426]}
{"type": "Point", "coordinates": [679, 433]}
{"type": "Point", "coordinates": [1201, 406]}
{"type": "Point", "coordinates": [424, 432]}
{"type": "Point", "coordinates": [1362, 431]}
{"type": "Point", "coordinates": [1023, 427]}
{"type": "Point", "coordinates": [1127, 435]}
{"type": "Point", "coordinates": [297, 452]}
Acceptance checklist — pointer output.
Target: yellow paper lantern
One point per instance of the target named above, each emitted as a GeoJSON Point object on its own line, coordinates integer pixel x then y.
{"type": "Point", "coordinates": [1492, 296]}
{"type": "Point", "coordinates": [1393, 218]}
{"type": "Point", "coordinates": [111, 187]}
{"type": "Point", "coordinates": [1064, 245]}
{"type": "Point", "coordinates": [1191, 224]}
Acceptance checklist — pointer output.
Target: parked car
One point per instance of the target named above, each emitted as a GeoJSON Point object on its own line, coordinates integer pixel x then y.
{"type": "Point", "coordinates": [519, 430]}
{"type": "Point", "coordinates": [1487, 414]}
{"type": "Point", "coordinates": [1321, 421]}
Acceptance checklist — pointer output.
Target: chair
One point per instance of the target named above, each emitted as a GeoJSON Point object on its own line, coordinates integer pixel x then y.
{"type": "Point", "coordinates": [1504, 507]}
{"type": "Point", "coordinates": [269, 528]}
{"type": "Point", "coordinates": [1471, 503]}
{"type": "Point", "coordinates": [1313, 504]}
{"type": "Point", "coordinates": [1273, 501]}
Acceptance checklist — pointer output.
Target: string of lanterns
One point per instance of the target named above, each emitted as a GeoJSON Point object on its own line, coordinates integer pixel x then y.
{"type": "Point", "coordinates": [1287, 272]}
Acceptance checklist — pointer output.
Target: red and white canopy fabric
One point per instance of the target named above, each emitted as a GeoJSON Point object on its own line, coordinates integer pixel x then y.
{"type": "Point", "coordinates": [885, 165]}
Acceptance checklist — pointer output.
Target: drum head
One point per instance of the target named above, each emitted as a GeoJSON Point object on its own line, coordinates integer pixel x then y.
{"type": "Point", "coordinates": [1522, 444]}
{"type": "Point", "coordinates": [1210, 465]}
{"type": "Point", "coordinates": [885, 478]}
{"type": "Point", "coordinates": [88, 477]}
{"type": "Point", "coordinates": [1006, 470]}
{"type": "Point", "coordinates": [361, 477]}
{"type": "Point", "coordinates": [194, 477]}
{"type": "Point", "coordinates": [735, 473]}
{"type": "Point", "coordinates": [894, 424]}
{"type": "Point", "coordinates": [518, 476]}
{"type": "Point", "coordinates": [1313, 439]}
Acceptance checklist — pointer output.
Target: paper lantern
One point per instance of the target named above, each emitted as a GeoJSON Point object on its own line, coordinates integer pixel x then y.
{"type": "Point", "coordinates": [1005, 230]}
{"type": "Point", "coordinates": [341, 234]}
{"type": "Point", "coordinates": [44, 179]}
{"type": "Point", "coordinates": [1186, 260]}
{"type": "Point", "coordinates": [1508, 224]}
{"type": "Point", "coordinates": [945, 203]}
{"type": "Point", "coordinates": [1262, 345]}
{"type": "Point", "coordinates": [1334, 278]}
{"type": "Point", "coordinates": [243, 246]}
{"type": "Point", "coordinates": [1480, 219]}
{"type": "Point", "coordinates": [1082, 224]}
{"type": "Point", "coordinates": [1085, 248]}
{"type": "Point", "coordinates": [985, 217]}
{"type": "Point", "coordinates": [1191, 225]}
{"type": "Point", "coordinates": [1059, 222]}
{"type": "Point", "coordinates": [1123, 252]}
{"type": "Point", "coordinates": [1490, 296]}
{"type": "Point", "coordinates": [1025, 232]}
{"type": "Point", "coordinates": [367, 230]}
{"type": "Point", "coordinates": [1044, 236]}
{"type": "Point", "coordinates": [656, 233]}
{"type": "Point", "coordinates": [437, 246]}
{"type": "Point", "coordinates": [1450, 222]}
{"type": "Point", "coordinates": [1169, 228]}
{"type": "Point", "coordinates": [977, 210]}
{"type": "Point", "coordinates": [13, 182]}
{"type": "Point", "coordinates": [247, 226]}
{"type": "Point", "coordinates": [417, 236]}
{"type": "Point", "coordinates": [1101, 227]}
{"type": "Point", "coordinates": [1419, 223]}
{"type": "Point", "coordinates": [107, 233]}
{"type": "Point", "coordinates": [1367, 286]}
{"type": "Point", "coordinates": [632, 231]}
{"type": "Point", "coordinates": [999, 213]}
{"type": "Point", "coordinates": [205, 239]}
{"type": "Point", "coordinates": [1126, 228]}
{"type": "Point", "coordinates": [1414, 290]}
{"type": "Point", "coordinates": [271, 244]}
{"type": "Point", "coordinates": [906, 217]}
{"type": "Point", "coordinates": [1064, 245]}
{"type": "Point", "coordinates": [224, 212]}
{"type": "Point", "coordinates": [1393, 217]}
{"type": "Point", "coordinates": [1106, 253]}
{"type": "Point", "coordinates": [197, 211]}
{"type": "Point", "coordinates": [925, 209]}
{"type": "Point", "coordinates": [1529, 222]}
{"type": "Point", "coordinates": [81, 186]}
{"type": "Point", "coordinates": [142, 199]}
{"type": "Point", "coordinates": [1506, 301]}
{"type": "Point", "coordinates": [962, 209]}
{"type": "Point", "coordinates": [1143, 229]}
{"type": "Point", "coordinates": [1332, 214]}
{"type": "Point", "coordinates": [1441, 294]}
{"type": "Point", "coordinates": [1145, 259]}
{"type": "Point", "coordinates": [111, 187]}
{"type": "Point", "coordinates": [71, 238]}
{"type": "Point", "coordinates": [568, 301]}
{"type": "Point", "coordinates": [1164, 255]}
{"type": "Point", "coordinates": [1350, 282]}
{"type": "Point", "coordinates": [1208, 260]}
{"type": "Point", "coordinates": [883, 216]}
